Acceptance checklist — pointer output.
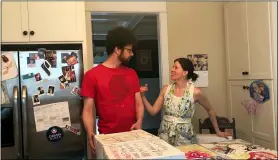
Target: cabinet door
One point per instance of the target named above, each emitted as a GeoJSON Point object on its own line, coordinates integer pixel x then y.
{"type": "Point", "coordinates": [236, 95]}
{"type": "Point", "coordinates": [55, 21]}
{"type": "Point", "coordinates": [263, 132]}
{"type": "Point", "coordinates": [14, 21]}
{"type": "Point", "coordinates": [258, 128]}
{"type": "Point", "coordinates": [259, 37]}
{"type": "Point", "coordinates": [236, 39]}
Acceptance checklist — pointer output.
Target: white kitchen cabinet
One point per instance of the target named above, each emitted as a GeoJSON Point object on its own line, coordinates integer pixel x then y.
{"type": "Point", "coordinates": [236, 39]}
{"type": "Point", "coordinates": [44, 21]}
{"type": "Point", "coordinates": [258, 128]}
{"type": "Point", "coordinates": [15, 21]}
{"type": "Point", "coordinates": [248, 40]}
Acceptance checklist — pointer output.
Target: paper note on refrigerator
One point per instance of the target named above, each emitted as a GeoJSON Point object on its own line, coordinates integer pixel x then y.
{"type": "Point", "coordinates": [54, 114]}
{"type": "Point", "coordinates": [9, 69]}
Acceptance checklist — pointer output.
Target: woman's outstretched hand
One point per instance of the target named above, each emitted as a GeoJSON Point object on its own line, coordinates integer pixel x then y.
{"type": "Point", "coordinates": [223, 134]}
{"type": "Point", "coordinates": [144, 89]}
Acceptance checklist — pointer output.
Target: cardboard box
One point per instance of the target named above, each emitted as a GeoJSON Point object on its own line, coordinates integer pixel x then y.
{"type": "Point", "coordinates": [143, 149]}
{"type": "Point", "coordinates": [106, 139]}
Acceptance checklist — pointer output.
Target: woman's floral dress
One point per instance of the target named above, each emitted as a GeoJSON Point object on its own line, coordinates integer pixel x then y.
{"type": "Point", "coordinates": [176, 127]}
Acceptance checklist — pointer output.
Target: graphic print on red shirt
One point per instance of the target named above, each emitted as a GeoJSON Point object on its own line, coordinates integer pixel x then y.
{"type": "Point", "coordinates": [113, 90]}
{"type": "Point", "coordinates": [118, 87]}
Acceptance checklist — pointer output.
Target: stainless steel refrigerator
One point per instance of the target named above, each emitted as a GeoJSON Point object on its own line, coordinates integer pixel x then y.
{"type": "Point", "coordinates": [41, 112]}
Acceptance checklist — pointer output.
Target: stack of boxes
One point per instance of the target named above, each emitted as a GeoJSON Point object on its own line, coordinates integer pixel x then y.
{"type": "Point", "coordinates": [136, 144]}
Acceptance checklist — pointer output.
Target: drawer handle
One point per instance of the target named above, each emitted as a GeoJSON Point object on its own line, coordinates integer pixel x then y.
{"type": "Point", "coordinates": [245, 73]}
{"type": "Point", "coordinates": [25, 33]}
{"type": "Point", "coordinates": [32, 33]}
{"type": "Point", "coordinates": [245, 87]}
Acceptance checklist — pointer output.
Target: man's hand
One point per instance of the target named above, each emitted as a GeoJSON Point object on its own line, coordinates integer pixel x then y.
{"type": "Point", "coordinates": [92, 145]}
{"type": "Point", "coordinates": [137, 125]}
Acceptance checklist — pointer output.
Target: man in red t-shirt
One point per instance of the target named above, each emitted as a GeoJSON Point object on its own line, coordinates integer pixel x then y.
{"type": "Point", "coordinates": [113, 89]}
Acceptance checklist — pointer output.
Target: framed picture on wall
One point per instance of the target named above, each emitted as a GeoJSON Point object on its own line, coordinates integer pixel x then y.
{"type": "Point", "coordinates": [144, 60]}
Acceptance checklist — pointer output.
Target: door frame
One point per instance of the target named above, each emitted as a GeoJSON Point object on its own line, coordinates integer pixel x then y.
{"type": "Point", "coordinates": [274, 62]}
{"type": "Point", "coordinates": [158, 8]}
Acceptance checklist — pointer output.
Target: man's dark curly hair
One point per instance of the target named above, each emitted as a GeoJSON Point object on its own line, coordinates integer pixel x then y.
{"type": "Point", "coordinates": [119, 37]}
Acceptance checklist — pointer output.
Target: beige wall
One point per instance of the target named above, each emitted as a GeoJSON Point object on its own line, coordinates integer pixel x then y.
{"type": "Point", "coordinates": [198, 27]}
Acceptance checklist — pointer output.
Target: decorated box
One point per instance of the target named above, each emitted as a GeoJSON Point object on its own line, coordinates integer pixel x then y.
{"type": "Point", "coordinates": [107, 139]}
{"type": "Point", "coordinates": [239, 149]}
{"type": "Point", "coordinates": [196, 151]}
{"type": "Point", "coordinates": [143, 149]}
{"type": "Point", "coordinates": [209, 138]}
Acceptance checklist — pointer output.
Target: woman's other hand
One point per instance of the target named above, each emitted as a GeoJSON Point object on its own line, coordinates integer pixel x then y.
{"type": "Point", "coordinates": [144, 89]}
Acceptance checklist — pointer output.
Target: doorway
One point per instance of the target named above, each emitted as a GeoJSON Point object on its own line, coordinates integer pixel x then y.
{"type": "Point", "coordinates": [145, 60]}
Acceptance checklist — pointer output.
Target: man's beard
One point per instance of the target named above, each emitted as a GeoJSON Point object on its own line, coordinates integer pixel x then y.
{"type": "Point", "coordinates": [122, 59]}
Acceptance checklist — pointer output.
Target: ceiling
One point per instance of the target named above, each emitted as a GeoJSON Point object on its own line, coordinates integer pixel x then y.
{"type": "Point", "coordinates": [144, 26]}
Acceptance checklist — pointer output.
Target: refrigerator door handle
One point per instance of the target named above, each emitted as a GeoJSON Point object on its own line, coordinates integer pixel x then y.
{"type": "Point", "coordinates": [17, 123]}
{"type": "Point", "coordinates": [25, 121]}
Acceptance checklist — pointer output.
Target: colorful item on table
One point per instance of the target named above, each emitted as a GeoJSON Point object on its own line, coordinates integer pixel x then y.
{"type": "Point", "coordinates": [250, 106]}
{"type": "Point", "coordinates": [195, 151]}
{"type": "Point", "coordinates": [259, 91]}
{"type": "Point", "coordinates": [262, 155]}
{"type": "Point", "coordinates": [197, 155]}
{"type": "Point", "coordinates": [239, 149]}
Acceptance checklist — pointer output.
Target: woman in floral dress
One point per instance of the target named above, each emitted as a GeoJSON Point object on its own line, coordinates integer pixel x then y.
{"type": "Point", "coordinates": [178, 102]}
